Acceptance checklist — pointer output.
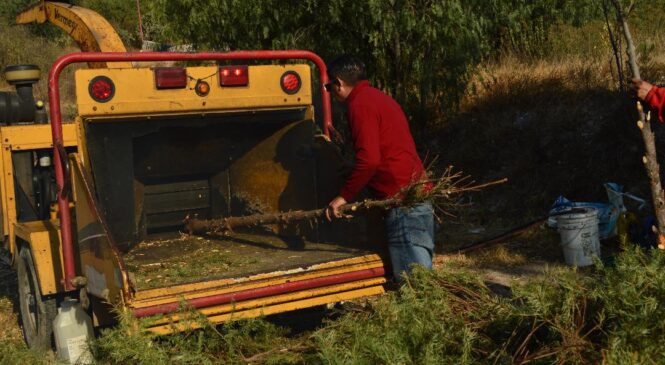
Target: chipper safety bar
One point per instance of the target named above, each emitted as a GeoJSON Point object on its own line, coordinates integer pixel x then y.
{"type": "Point", "coordinates": [62, 168]}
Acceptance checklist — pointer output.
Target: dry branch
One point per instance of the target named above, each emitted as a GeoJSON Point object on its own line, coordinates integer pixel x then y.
{"type": "Point", "coordinates": [615, 48]}
{"type": "Point", "coordinates": [440, 191]}
{"type": "Point", "coordinates": [649, 159]}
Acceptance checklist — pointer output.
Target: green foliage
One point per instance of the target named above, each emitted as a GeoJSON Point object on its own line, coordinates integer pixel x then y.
{"type": "Point", "coordinates": [19, 45]}
{"type": "Point", "coordinates": [122, 15]}
{"type": "Point", "coordinates": [16, 352]}
{"type": "Point", "coordinates": [566, 317]}
{"type": "Point", "coordinates": [447, 317]}
{"type": "Point", "coordinates": [424, 323]}
{"type": "Point", "coordinates": [524, 26]}
{"type": "Point", "coordinates": [419, 51]}
{"type": "Point", "coordinates": [130, 343]}
{"type": "Point", "coordinates": [10, 8]}
{"type": "Point", "coordinates": [634, 300]}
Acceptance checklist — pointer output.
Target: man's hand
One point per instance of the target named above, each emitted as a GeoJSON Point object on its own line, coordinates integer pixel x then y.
{"type": "Point", "coordinates": [333, 208]}
{"type": "Point", "coordinates": [641, 88]}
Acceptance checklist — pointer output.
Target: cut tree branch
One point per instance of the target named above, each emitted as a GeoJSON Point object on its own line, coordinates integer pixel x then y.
{"type": "Point", "coordinates": [649, 159]}
{"type": "Point", "coordinates": [442, 189]}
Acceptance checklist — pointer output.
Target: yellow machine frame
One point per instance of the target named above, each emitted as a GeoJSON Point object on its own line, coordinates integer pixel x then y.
{"type": "Point", "coordinates": [136, 97]}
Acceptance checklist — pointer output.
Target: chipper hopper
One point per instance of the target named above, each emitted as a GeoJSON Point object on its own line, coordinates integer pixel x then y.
{"type": "Point", "coordinates": [93, 209]}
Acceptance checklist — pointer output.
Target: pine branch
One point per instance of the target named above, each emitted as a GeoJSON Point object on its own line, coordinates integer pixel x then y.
{"type": "Point", "coordinates": [440, 191]}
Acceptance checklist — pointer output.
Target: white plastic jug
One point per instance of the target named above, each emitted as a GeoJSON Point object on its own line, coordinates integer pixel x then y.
{"type": "Point", "coordinates": [72, 329]}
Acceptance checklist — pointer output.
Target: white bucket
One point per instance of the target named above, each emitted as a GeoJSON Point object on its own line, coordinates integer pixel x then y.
{"type": "Point", "coordinates": [579, 236]}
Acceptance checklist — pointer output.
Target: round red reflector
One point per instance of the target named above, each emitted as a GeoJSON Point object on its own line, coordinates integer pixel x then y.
{"type": "Point", "coordinates": [101, 89]}
{"type": "Point", "coordinates": [290, 82]}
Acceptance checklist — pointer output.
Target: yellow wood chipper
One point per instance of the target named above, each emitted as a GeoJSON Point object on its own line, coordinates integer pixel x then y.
{"type": "Point", "coordinates": [92, 208]}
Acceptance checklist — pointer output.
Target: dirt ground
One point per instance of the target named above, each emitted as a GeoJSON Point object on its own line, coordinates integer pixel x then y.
{"type": "Point", "coordinates": [8, 303]}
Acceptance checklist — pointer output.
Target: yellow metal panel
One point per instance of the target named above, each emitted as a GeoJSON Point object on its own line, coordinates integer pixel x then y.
{"type": "Point", "coordinates": [272, 309]}
{"type": "Point", "coordinates": [3, 193]}
{"type": "Point", "coordinates": [136, 94]}
{"type": "Point", "coordinates": [90, 30]}
{"type": "Point", "coordinates": [190, 291]}
{"type": "Point", "coordinates": [22, 137]}
{"type": "Point", "coordinates": [83, 145]}
{"type": "Point", "coordinates": [43, 238]}
{"type": "Point", "coordinates": [35, 136]}
{"type": "Point", "coordinates": [9, 205]}
{"type": "Point", "coordinates": [278, 299]}
{"type": "Point", "coordinates": [99, 260]}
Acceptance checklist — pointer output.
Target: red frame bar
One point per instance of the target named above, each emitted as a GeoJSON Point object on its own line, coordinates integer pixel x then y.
{"type": "Point", "coordinates": [267, 291]}
{"type": "Point", "coordinates": [56, 118]}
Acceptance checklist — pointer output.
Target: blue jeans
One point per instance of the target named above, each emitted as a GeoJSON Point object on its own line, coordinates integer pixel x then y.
{"type": "Point", "coordinates": [410, 237]}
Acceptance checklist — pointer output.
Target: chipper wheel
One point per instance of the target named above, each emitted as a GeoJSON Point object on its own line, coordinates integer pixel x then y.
{"type": "Point", "coordinates": [37, 312]}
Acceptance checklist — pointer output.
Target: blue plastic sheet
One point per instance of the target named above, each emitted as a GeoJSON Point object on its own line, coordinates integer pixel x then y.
{"type": "Point", "coordinates": [608, 213]}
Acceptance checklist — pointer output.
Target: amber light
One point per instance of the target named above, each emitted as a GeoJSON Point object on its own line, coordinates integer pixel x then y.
{"type": "Point", "coordinates": [101, 89]}
{"type": "Point", "coordinates": [202, 88]}
{"type": "Point", "coordinates": [234, 76]}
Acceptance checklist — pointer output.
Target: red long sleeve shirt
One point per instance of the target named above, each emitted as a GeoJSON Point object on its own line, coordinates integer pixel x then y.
{"type": "Point", "coordinates": [386, 157]}
{"type": "Point", "coordinates": [656, 100]}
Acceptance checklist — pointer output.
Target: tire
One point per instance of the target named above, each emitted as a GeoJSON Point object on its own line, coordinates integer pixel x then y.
{"type": "Point", "coordinates": [37, 312]}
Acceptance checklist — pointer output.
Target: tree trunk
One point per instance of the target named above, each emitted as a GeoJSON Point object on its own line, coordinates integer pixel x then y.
{"type": "Point", "coordinates": [649, 159]}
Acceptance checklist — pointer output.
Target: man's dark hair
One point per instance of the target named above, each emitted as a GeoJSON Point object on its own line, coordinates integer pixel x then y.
{"type": "Point", "coordinates": [348, 69]}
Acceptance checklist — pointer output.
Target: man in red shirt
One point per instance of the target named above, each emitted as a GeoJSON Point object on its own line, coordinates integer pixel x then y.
{"type": "Point", "coordinates": [386, 161]}
{"type": "Point", "coordinates": [652, 95]}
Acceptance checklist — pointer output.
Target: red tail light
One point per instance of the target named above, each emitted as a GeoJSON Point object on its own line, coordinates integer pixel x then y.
{"type": "Point", "coordinates": [101, 89]}
{"type": "Point", "coordinates": [233, 76]}
{"type": "Point", "coordinates": [290, 82]}
{"type": "Point", "coordinates": [170, 78]}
